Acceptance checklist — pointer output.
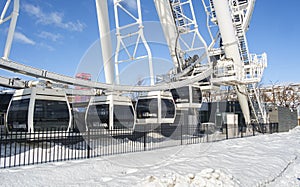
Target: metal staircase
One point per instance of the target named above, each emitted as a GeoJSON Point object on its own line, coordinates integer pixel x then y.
{"type": "Point", "coordinates": [213, 13]}
{"type": "Point", "coordinates": [251, 65]}
{"type": "Point", "coordinates": [178, 13]}
{"type": "Point", "coordinates": [258, 110]}
{"type": "Point", "coordinates": [243, 46]}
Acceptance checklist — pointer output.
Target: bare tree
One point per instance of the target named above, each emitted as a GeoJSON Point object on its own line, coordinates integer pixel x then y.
{"type": "Point", "coordinates": [282, 95]}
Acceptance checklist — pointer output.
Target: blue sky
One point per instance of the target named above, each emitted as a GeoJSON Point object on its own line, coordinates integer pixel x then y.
{"type": "Point", "coordinates": [56, 34]}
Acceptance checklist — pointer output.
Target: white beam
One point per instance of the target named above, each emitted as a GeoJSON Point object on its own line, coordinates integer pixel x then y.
{"type": "Point", "coordinates": [165, 15]}
{"type": "Point", "coordinates": [231, 49]}
{"type": "Point", "coordinates": [39, 73]}
{"type": "Point", "coordinates": [106, 46]}
{"type": "Point", "coordinates": [11, 30]}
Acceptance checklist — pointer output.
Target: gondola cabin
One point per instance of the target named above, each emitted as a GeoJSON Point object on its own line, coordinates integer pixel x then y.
{"type": "Point", "coordinates": [155, 107]}
{"type": "Point", "coordinates": [5, 97]}
{"type": "Point", "coordinates": [78, 113]}
{"type": "Point", "coordinates": [189, 96]}
{"type": "Point", "coordinates": [38, 109]}
{"type": "Point", "coordinates": [112, 112]}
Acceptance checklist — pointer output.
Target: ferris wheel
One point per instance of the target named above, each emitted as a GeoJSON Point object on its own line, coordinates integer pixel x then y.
{"type": "Point", "coordinates": [225, 61]}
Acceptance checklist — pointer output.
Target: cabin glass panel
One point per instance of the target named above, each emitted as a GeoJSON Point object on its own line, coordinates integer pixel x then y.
{"type": "Point", "coordinates": [123, 116]}
{"type": "Point", "coordinates": [98, 116]}
{"type": "Point", "coordinates": [17, 117]}
{"type": "Point", "coordinates": [181, 95]}
{"type": "Point", "coordinates": [197, 95]}
{"type": "Point", "coordinates": [167, 108]}
{"type": "Point", "coordinates": [147, 108]}
{"type": "Point", "coordinates": [51, 115]}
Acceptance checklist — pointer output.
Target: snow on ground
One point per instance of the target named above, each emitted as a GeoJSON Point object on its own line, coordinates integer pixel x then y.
{"type": "Point", "coordinates": [266, 160]}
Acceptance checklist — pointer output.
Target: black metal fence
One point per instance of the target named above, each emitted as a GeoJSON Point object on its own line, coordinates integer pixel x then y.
{"type": "Point", "coordinates": [53, 145]}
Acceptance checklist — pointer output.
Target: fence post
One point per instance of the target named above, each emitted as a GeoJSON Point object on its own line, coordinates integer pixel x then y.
{"type": "Point", "coordinates": [206, 132]}
{"type": "Point", "coordinates": [30, 135]}
{"type": "Point", "coordinates": [242, 129]}
{"type": "Point", "coordinates": [226, 126]}
{"type": "Point", "coordinates": [5, 142]}
{"type": "Point", "coordinates": [1, 143]}
{"type": "Point", "coordinates": [145, 141]}
{"type": "Point", "coordinates": [181, 138]}
{"type": "Point", "coordinates": [15, 154]}
{"type": "Point", "coordinates": [88, 144]}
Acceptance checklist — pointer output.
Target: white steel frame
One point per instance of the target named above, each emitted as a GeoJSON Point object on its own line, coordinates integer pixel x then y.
{"type": "Point", "coordinates": [121, 39]}
{"type": "Point", "coordinates": [249, 73]}
{"type": "Point", "coordinates": [190, 27]}
{"type": "Point", "coordinates": [248, 67]}
{"type": "Point", "coordinates": [64, 79]}
{"type": "Point", "coordinates": [13, 21]}
{"type": "Point", "coordinates": [211, 22]}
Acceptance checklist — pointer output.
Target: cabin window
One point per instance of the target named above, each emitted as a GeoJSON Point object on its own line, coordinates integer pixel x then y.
{"type": "Point", "coordinates": [197, 95]}
{"type": "Point", "coordinates": [147, 108]}
{"type": "Point", "coordinates": [17, 117]}
{"type": "Point", "coordinates": [98, 116]}
{"type": "Point", "coordinates": [123, 116]}
{"type": "Point", "coordinates": [51, 115]}
{"type": "Point", "coordinates": [167, 108]}
{"type": "Point", "coordinates": [181, 95]}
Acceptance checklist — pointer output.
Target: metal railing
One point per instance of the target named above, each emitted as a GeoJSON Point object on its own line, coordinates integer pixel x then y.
{"type": "Point", "coordinates": [52, 145]}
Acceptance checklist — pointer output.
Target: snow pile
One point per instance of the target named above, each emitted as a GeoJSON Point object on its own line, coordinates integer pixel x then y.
{"type": "Point", "coordinates": [207, 177]}
{"type": "Point", "coordinates": [295, 130]}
